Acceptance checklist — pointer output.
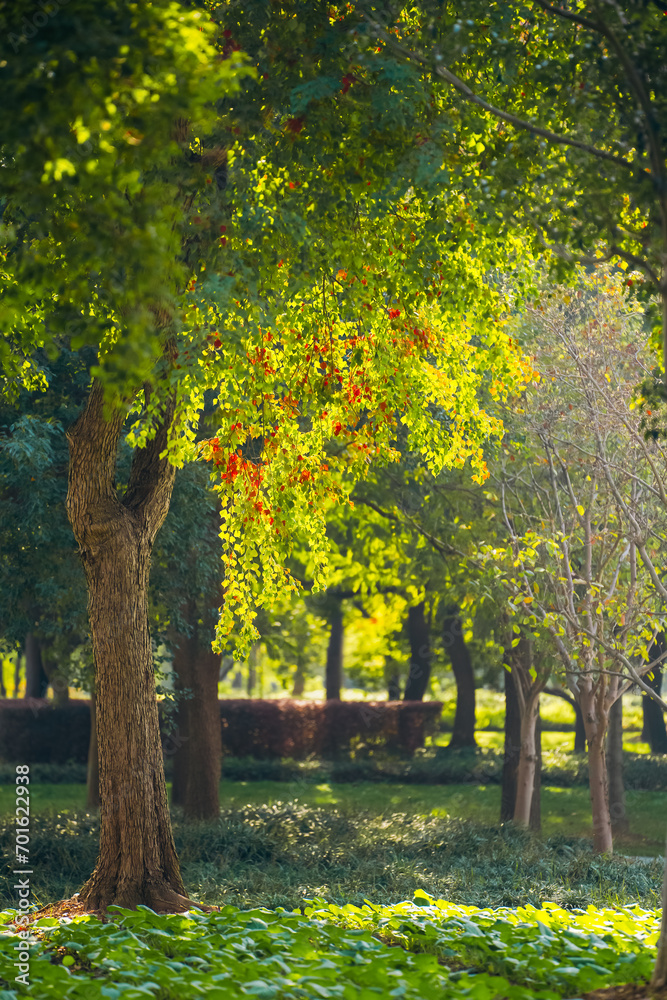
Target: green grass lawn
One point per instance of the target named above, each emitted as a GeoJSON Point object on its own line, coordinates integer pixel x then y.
{"type": "Point", "coordinates": [565, 811]}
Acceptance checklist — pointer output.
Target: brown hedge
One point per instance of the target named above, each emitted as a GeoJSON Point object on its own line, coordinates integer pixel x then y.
{"type": "Point", "coordinates": [35, 731]}
{"type": "Point", "coordinates": [266, 728]}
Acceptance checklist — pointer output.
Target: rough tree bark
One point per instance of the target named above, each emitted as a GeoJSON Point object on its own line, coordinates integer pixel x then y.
{"type": "Point", "coordinates": [419, 635]}
{"type": "Point", "coordinates": [36, 681]}
{"type": "Point", "coordinates": [334, 664]}
{"type": "Point", "coordinates": [93, 768]}
{"type": "Point", "coordinates": [197, 743]}
{"type": "Point", "coordinates": [137, 860]}
{"type": "Point", "coordinates": [617, 811]}
{"type": "Point", "coordinates": [463, 734]}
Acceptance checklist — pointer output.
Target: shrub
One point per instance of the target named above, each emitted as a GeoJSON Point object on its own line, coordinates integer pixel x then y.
{"type": "Point", "coordinates": [269, 729]}
{"type": "Point", "coordinates": [285, 853]}
{"type": "Point", "coordinates": [32, 730]}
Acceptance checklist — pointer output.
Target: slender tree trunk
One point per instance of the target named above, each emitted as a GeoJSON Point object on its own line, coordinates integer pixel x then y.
{"type": "Point", "coordinates": [512, 754]}
{"type": "Point", "coordinates": [299, 680]}
{"type": "Point", "coordinates": [596, 721]}
{"type": "Point", "coordinates": [654, 731]}
{"type": "Point", "coordinates": [512, 747]}
{"type": "Point", "coordinates": [93, 769]}
{"type": "Point", "coordinates": [535, 821]}
{"type": "Point", "coordinates": [252, 668]}
{"type": "Point", "coordinates": [334, 665]}
{"type": "Point", "coordinates": [56, 680]}
{"type": "Point", "coordinates": [419, 673]}
{"type": "Point", "coordinates": [463, 734]}
{"type": "Point", "coordinates": [197, 742]}
{"type": "Point", "coordinates": [579, 728]}
{"type": "Point", "coordinates": [617, 811]}
{"type": "Point", "coordinates": [137, 861]}
{"type": "Point", "coordinates": [525, 780]}
{"type": "Point", "coordinates": [36, 681]}
{"type": "Point", "coordinates": [17, 674]}
{"type": "Point", "coordinates": [393, 678]}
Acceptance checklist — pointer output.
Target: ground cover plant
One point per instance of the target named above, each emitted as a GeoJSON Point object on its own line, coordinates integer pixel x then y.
{"type": "Point", "coordinates": [447, 950]}
{"type": "Point", "coordinates": [281, 854]}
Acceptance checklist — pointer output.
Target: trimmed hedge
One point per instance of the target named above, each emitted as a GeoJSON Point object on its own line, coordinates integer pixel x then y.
{"type": "Point", "coordinates": [33, 731]}
{"type": "Point", "coordinates": [272, 729]}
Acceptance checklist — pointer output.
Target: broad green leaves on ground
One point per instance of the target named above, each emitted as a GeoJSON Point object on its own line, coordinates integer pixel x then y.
{"type": "Point", "coordinates": [447, 951]}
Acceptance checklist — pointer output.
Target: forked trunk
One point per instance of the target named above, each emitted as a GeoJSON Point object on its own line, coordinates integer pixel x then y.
{"type": "Point", "coordinates": [137, 861]}
{"type": "Point", "coordinates": [527, 761]}
{"type": "Point", "coordinates": [197, 743]}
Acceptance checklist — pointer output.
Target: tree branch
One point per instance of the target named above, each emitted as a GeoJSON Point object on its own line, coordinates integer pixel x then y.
{"type": "Point", "coordinates": [505, 116]}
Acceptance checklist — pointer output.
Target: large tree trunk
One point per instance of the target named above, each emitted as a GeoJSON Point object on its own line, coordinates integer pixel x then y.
{"type": "Point", "coordinates": [137, 861]}
{"type": "Point", "coordinates": [197, 744]}
{"type": "Point", "coordinates": [596, 720]}
{"type": "Point", "coordinates": [93, 769]}
{"type": "Point", "coordinates": [36, 681]}
{"type": "Point", "coordinates": [464, 717]}
{"type": "Point", "coordinates": [419, 673]}
{"type": "Point", "coordinates": [334, 665]}
{"type": "Point", "coordinates": [654, 731]}
{"type": "Point", "coordinates": [617, 811]}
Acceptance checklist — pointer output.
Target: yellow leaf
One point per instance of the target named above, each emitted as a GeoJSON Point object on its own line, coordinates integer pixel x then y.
{"type": "Point", "coordinates": [580, 510]}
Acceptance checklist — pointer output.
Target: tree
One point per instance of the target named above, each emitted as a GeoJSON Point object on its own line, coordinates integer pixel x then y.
{"type": "Point", "coordinates": [583, 511]}
{"type": "Point", "coordinates": [306, 319]}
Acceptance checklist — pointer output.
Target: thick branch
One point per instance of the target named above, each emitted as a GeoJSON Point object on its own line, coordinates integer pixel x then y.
{"type": "Point", "coordinates": [505, 116]}
{"type": "Point", "coordinates": [93, 444]}
{"type": "Point", "coordinates": [152, 476]}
